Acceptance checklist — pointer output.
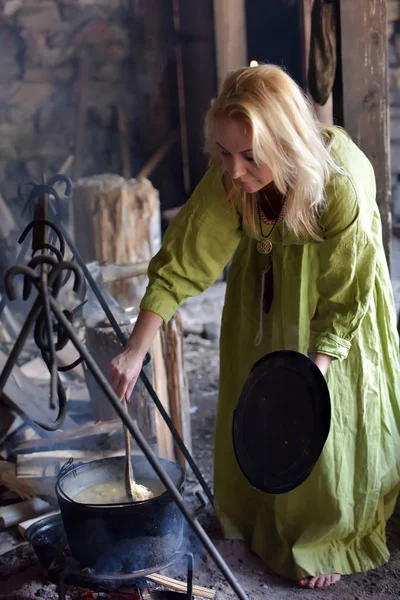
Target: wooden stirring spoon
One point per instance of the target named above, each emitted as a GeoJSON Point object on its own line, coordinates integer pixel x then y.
{"type": "Point", "coordinates": [129, 477]}
{"type": "Point", "coordinates": [133, 490]}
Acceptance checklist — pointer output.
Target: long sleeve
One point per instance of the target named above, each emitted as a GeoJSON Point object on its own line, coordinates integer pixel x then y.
{"type": "Point", "coordinates": [347, 268]}
{"type": "Point", "coordinates": [196, 247]}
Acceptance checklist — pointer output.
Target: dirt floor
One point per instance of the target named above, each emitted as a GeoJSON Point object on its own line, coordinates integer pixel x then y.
{"type": "Point", "coordinates": [21, 578]}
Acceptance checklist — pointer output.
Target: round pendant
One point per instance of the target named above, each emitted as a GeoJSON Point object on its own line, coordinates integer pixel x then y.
{"type": "Point", "coordinates": [264, 246]}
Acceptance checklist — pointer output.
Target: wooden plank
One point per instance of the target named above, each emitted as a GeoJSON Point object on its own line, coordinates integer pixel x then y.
{"type": "Point", "coordinates": [28, 399]}
{"type": "Point", "coordinates": [365, 92]}
{"type": "Point", "coordinates": [122, 227]}
{"type": "Point", "coordinates": [160, 384]}
{"type": "Point", "coordinates": [48, 464]}
{"type": "Point", "coordinates": [82, 431]}
{"type": "Point", "coordinates": [178, 390]}
{"type": "Point", "coordinates": [21, 511]}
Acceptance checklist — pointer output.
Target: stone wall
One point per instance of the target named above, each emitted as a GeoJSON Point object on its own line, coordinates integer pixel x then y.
{"type": "Point", "coordinates": [54, 55]}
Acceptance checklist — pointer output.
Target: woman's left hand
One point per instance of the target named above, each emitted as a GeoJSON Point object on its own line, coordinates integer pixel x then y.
{"type": "Point", "coordinates": [321, 360]}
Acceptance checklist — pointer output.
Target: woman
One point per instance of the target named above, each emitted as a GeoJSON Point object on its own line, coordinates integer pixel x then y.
{"type": "Point", "coordinates": [294, 203]}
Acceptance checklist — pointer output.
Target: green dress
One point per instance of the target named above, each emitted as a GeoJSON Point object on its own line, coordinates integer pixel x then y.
{"type": "Point", "coordinates": [333, 297]}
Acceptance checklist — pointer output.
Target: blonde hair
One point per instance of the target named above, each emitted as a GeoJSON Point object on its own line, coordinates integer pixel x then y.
{"type": "Point", "coordinates": [286, 137]}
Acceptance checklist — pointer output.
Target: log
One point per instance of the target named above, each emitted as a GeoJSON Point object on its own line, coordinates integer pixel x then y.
{"type": "Point", "coordinates": [17, 513]}
{"type": "Point", "coordinates": [181, 586]}
{"type": "Point", "coordinates": [122, 226]}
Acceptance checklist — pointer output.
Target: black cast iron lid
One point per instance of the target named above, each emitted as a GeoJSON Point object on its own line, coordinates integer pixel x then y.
{"type": "Point", "coordinates": [281, 422]}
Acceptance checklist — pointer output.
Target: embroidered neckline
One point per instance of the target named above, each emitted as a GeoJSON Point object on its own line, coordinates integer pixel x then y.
{"type": "Point", "coordinates": [272, 221]}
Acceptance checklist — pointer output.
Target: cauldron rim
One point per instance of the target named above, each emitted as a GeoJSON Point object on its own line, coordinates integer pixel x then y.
{"type": "Point", "coordinates": [80, 465]}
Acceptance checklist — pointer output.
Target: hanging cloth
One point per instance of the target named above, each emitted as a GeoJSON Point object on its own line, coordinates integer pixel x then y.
{"type": "Point", "coordinates": [322, 58]}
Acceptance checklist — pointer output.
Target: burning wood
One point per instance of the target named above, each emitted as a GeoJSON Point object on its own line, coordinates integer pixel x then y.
{"type": "Point", "coordinates": [181, 586]}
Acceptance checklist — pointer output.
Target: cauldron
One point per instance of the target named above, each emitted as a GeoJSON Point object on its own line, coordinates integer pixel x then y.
{"type": "Point", "coordinates": [126, 537]}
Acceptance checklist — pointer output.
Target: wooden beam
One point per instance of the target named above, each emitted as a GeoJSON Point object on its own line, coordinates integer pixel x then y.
{"type": "Point", "coordinates": [230, 36]}
{"type": "Point", "coordinates": [48, 464]}
{"type": "Point", "coordinates": [160, 382]}
{"type": "Point", "coordinates": [178, 389]}
{"type": "Point", "coordinates": [365, 92]}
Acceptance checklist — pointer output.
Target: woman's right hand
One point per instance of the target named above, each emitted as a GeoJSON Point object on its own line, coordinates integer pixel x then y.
{"type": "Point", "coordinates": [124, 372]}
{"type": "Point", "coordinates": [126, 366]}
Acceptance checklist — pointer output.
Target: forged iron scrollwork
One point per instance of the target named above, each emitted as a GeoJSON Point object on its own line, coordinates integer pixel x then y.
{"type": "Point", "coordinates": [47, 271]}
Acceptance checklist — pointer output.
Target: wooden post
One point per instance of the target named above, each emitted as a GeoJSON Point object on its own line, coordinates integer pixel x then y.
{"type": "Point", "coordinates": [230, 36]}
{"type": "Point", "coordinates": [178, 389]}
{"type": "Point", "coordinates": [365, 92]}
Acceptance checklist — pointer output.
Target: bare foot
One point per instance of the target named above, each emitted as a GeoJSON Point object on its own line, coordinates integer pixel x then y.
{"type": "Point", "coordinates": [319, 581]}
